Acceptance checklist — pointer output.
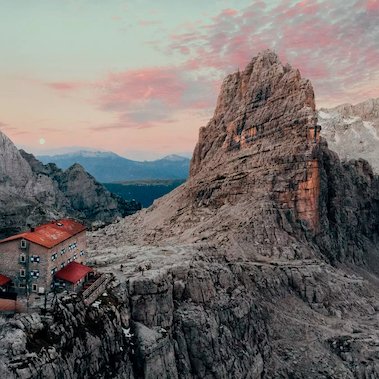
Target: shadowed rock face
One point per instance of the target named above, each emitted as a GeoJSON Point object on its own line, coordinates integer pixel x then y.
{"type": "Point", "coordinates": [262, 265]}
{"type": "Point", "coordinates": [32, 193]}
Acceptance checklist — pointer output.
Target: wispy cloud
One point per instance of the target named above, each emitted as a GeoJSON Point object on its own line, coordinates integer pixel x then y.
{"type": "Point", "coordinates": [66, 86]}
{"type": "Point", "coordinates": [333, 43]}
{"type": "Point", "coordinates": [149, 97]}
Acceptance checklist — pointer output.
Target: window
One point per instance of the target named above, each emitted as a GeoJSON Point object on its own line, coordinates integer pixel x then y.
{"type": "Point", "coordinates": [54, 270]}
{"type": "Point", "coordinates": [34, 273]}
{"type": "Point", "coordinates": [22, 273]}
{"type": "Point", "coordinates": [22, 258]}
{"type": "Point", "coordinates": [72, 246]}
{"type": "Point", "coordinates": [23, 244]}
{"type": "Point", "coordinates": [63, 251]}
{"type": "Point", "coordinates": [54, 257]}
{"type": "Point", "coordinates": [69, 260]}
{"type": "Point", "coordinates": [75, 257]}
{"type": "Point", "coordinates": [62, 264]}
{"type": "Point", "coordinates": [34, 287]}
{"type": "Point", "coordinates": [82, 253]}
{"type": "Point", "coordinates": [35, 259]}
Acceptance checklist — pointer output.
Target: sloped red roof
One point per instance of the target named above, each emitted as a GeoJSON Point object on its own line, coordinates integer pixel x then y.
{"type": "Point", "coordinates": [4, 280]}
{"type": "Point", "coordinates": [51, 234]}
{"type": "Point", "coordinates": [73, 272]}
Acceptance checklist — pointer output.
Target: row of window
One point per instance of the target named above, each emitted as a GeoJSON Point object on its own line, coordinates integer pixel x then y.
{"type": "Point", "coordinates": [37, 259]}
{"type": "Point", "coordinates": [72, 246]}
{"type": "Point", "coordinates": [33, 258]}
{"type": "Point", "coordinates": [23, 285]}
{"type": "Point", "coordinates": [33, 273]}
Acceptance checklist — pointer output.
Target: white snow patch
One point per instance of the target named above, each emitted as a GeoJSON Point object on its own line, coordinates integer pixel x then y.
{"type": "Point", "coordinates": [370, 127]}
{"type": "Point", "coordinates": [324, 115]}
{"type": "Point", "coordinates": [350, 120]}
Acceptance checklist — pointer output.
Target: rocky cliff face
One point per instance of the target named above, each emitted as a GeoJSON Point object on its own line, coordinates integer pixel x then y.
{"type": "Point", "coordinates": [31, 193]}
{"type": "Point", "coordinates": [353, 130]}
{"type": "Point", "coordinates": [262, 265]}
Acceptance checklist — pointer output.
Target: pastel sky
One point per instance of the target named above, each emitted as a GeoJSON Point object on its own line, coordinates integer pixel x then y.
{"type": "Point", "coordinates": [139, 77]}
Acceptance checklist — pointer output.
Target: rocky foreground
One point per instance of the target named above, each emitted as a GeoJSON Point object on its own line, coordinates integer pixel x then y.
{"type": "Point", "coordinates": [264, 264]}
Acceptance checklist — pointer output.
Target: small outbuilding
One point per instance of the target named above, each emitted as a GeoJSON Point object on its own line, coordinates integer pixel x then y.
{"type": "Point", "coordinates": [73, 276]}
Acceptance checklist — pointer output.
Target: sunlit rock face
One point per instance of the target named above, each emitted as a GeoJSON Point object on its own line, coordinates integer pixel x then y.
{"type": "Point", "coordinates": [264, 128]}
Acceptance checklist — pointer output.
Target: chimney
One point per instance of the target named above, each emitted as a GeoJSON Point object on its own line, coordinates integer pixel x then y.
{"type": "Point", "coordinates": [32, 229]}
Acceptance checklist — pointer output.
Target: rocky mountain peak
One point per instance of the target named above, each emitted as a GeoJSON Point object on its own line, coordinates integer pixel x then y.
{"type": "Point", "coordinates": [265, 99]}
{"type": "Point", "coordinates": [12, 167]}
{"type": "Point", "coordinates": [262, 176]}
{"type": "Point", "coordinates": [263, 128]}
{"type": "Point", "coordinates": [367, 110]}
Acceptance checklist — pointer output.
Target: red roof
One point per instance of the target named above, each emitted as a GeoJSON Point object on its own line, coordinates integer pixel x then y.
{"type": "Point", "coordinates": [51, 234]}
{"type": "Point", "coordinates": [73, 272]}
{"type": "Point", "coordinates": [4, 280]}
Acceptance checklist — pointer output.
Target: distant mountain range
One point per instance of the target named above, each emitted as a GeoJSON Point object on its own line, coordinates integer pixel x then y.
{"type": "Point", "coordinates": [109, 167]}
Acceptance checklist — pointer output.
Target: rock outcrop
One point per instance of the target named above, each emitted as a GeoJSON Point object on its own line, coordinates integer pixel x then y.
{"type": "Point", "coordinates": [353, 131]}
{"type": "Point", "coordinates": [264, 264]}
{"type": "Point", "coordinates": [32, 193]}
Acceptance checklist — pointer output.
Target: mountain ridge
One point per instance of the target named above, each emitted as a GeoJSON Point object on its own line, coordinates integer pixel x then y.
{"type": "Point", "coordinates": [32, 193]}
{"type": "Point", "coordinates": [353, 130]}
{"type": "Point", "coordinates": [110, 167]}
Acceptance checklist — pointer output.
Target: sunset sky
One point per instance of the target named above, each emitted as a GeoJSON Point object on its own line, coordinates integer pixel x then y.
{"type": "Point", "coordinates": [139, 77]}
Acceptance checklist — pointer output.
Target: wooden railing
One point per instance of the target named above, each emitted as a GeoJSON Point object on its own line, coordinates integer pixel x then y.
{"type": "Point", "coordinates": [90, 294]}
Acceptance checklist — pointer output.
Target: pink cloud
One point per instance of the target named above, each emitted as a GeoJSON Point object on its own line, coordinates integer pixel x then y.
{"type": "Point", "coordinates": [150, 97]}
{"type": "Point", "coordinates": [161, 84]}
{"type": "Point", "coordinates": [372, 5]}
{"type": "Point", "coordinates": [333, 44]}
{"type": "Point", "coordinates": [229, 12]}
{"type": "Point", "coordinates": [65, 86]}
